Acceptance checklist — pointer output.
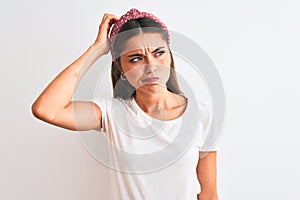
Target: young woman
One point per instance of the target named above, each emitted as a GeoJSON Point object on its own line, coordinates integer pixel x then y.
{"type": "Point", "coordinates": [145, 88]}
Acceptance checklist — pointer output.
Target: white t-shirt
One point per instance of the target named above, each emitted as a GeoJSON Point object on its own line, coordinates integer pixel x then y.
{"type": "Point", "coordinates": [152, 159]}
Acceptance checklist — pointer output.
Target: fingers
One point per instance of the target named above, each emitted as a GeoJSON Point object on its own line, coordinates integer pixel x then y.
{"type": "Point", "coordinates": [109, 18]}
{"type": "Point", "coordinates": [107, 21]}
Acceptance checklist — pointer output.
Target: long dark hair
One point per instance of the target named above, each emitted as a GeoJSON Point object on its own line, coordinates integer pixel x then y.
{"type": "Point", "coordinates": [133, 27]}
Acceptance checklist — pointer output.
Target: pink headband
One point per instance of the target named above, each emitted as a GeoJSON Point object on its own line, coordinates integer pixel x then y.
{"type": "Point", "coordinates": [132, 14]}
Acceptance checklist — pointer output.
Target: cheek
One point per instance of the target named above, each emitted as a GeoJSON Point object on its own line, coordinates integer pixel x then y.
{"type": "Point", "coordinates": [134, 74]}
{"type": "Point", "coordinates": [165, 68]}
{"type": "Point", "coordinates": [165, 73]}
{"type": "Point", "coordinates": [130, 70]}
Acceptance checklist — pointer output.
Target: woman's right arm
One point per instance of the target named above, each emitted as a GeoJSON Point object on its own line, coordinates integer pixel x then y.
{"type": "Point", "coordinates": [55, 105]}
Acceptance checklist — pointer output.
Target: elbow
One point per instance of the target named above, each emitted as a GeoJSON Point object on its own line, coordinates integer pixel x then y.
{"type": "Point", "coordinates": [41, 112]}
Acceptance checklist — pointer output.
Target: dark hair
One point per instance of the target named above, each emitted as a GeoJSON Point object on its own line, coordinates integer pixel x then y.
{"type": "Point", "coordinates": [133, 27]}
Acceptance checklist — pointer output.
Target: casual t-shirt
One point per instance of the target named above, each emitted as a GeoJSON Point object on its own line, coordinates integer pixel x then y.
{"type": "Point", "coordinates": [152, 159]}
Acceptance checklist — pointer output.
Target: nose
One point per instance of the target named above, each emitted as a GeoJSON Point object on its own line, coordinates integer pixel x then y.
{"type": "Point", "coordinates": [151, 66]}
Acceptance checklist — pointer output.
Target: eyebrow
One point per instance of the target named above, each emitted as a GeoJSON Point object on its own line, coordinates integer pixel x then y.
{"type": "Point", "coordinates": [138, 54]}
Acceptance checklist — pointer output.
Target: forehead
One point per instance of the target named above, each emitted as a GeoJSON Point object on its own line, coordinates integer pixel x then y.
{"type": "Point", "coordinates": [144, 41]}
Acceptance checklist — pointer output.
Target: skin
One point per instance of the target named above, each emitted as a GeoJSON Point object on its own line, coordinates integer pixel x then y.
{"type": "Point", "coordinates": [146, 55]}
{"type": "Point", "coordinates": [207, 175]}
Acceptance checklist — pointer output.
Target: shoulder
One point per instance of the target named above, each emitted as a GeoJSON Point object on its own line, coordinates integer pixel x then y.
{"type": "Point", "coordinates": [110, 100]}
{"type": "Point", "coordinates": [211, 135]}
{"type": "Point", "coordinates": [109, 103]}
{"type": "Point", "coordinates": [205, 111]}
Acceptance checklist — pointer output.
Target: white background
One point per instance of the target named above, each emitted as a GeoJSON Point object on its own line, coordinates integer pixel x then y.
{"type": "Point", "coordinates": [254, 45]}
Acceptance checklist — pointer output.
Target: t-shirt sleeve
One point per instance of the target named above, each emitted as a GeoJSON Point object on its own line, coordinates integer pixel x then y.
{"type": "Point", "coordinates": [209, 136]}
{"type": "Point", "coordinates": [103, 104]}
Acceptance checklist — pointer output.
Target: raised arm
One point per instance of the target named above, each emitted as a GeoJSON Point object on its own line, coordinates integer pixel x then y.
{"type": "Point", "coordinates": [55, 105]}
{"type": "Point", "coordinates": [207, 175]}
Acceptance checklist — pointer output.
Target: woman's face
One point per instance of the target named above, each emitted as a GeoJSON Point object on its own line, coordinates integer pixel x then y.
{"type": "Point", "coordinates": [145, 61]}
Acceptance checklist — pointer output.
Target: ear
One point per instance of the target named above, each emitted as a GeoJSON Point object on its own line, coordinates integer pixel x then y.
{"type": "Point", "coordinates": [117, 64]}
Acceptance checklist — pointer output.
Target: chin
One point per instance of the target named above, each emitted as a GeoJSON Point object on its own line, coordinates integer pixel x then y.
{"type": "Point", "coordinates": [152, 88]}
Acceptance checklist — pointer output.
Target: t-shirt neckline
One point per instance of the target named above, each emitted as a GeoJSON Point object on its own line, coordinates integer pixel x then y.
{"type": "Point", "coordinates": [132, 99]}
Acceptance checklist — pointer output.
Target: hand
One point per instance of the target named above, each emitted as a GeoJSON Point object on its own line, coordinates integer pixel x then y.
{"type": "Point", "coordinates": [207, 196]}
{"type": "Point", "coordinates": [102, 38]}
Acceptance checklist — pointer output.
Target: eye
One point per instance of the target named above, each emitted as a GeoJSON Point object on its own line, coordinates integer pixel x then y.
{"type": "Point", "coordinates": [159, 53]}
{"type": "Point", "coordinates": [136, 59]}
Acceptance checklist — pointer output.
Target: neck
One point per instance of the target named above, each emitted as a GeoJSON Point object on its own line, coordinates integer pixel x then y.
{"type": "Point", "coordinates": [150, 102]}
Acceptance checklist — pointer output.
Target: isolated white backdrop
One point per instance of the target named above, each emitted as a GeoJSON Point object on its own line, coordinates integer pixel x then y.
{"type": "Point", "coordinates": [254, 44]}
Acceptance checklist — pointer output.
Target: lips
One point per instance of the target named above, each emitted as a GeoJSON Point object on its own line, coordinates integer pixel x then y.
{"type": "Point", "coordinates": [151, 80]}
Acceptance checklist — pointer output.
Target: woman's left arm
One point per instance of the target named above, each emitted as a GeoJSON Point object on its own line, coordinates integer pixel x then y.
{"type": "Point", "coordinates": [207, 175]}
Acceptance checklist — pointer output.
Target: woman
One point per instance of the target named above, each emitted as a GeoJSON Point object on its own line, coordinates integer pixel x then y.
{"type": "Point", "coordinates": [145, 88]}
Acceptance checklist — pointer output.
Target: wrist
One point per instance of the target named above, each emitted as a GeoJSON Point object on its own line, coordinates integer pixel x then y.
{"type": "Point", "coordinates": [98, 49]}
